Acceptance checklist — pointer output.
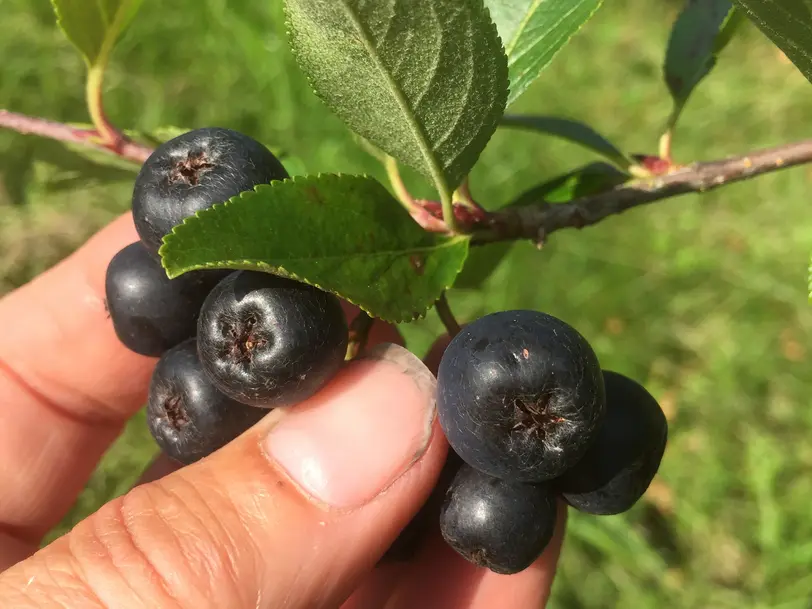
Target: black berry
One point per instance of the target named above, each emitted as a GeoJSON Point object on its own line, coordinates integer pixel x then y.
{"type": "Point", "coordinates": [269, 341]}
{"type": "Point", "coordinates": [520, 395]}
{"type": "Point", "coordinates": [504, 526]}
{"type": "Point", "coordinates": [150, 312]}
{"type": "Point", "coordinates": [621, 463]}
{"type": "Point", "coordinates": [187, 416]}
{"type": "Point", "coordinates": [194, 171]}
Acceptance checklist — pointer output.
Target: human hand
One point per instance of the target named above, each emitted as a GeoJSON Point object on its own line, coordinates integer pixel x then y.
{"type": "Point", "coordinates": [294, 513]}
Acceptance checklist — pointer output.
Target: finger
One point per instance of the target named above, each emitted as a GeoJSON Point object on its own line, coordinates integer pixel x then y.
{"type": "Point", "coordinates": [290, 514]}
{"type": "Point", "coordinates": [66, 384]}
{"type": "Point", "coordinates": [381, 332]}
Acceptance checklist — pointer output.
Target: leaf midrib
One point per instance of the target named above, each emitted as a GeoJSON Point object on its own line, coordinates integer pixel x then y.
{"type": "Point", "coordinates": [398, 252]}
{"type": "Point", "coordinates": [522, 26]}
{"type": "Point", "coordinates": [415, 127]}
{"type": "Point", "coordinates": [112, 33]}
{"type": "Point", "coordinates": [513, 59]}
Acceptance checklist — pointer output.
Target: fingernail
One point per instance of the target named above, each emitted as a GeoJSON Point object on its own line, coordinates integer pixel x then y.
{"type": "Point", "coordinates": [354, 438]}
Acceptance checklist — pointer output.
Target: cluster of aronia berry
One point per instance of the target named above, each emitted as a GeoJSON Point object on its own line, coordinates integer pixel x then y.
{"type": "Point", "coordinates": [530, 416]}
{"type": "Point", "coordinates": [528, 412]}
{"type": "Point", "coordinates": [232, 345]}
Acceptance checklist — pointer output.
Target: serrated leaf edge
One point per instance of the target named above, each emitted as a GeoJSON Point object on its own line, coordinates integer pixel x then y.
{"type": "Point", "coordinates": [167, 239]}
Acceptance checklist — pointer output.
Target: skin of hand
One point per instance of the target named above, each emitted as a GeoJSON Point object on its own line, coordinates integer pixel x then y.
{"type": "Point", "coordinates": [294, 513]}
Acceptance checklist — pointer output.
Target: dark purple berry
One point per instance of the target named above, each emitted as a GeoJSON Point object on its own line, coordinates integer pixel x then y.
{"type": "Point", "coordinates": [622, 461]}
{"type": "Point", "coordinates": [187, 416]}
{"type": "Point", "coordinates": [150, 312]}
{"type": "Point", "coordinates": [194, 171]}
{"type": "Point", "coordinates": [520, 395]}
{"type": "Point", "coordinates": [504, 526]}
{"type": "Point", "coordinates": [269, 341]}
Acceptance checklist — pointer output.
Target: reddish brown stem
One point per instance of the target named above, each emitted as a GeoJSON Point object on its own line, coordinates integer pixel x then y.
{"type": "Point", "coordinates": [125, 148]}
{"type": "Point", "coordinates": [446, 316]}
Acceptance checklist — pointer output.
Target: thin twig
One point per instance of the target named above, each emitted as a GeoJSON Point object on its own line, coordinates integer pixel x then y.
{"type": "Point", "coordinates": [530, 221]}
{"type": "Point", "coordinates": [360, 328]}
{"type": "Point", "coordinates": [32, 125]}
{"type": "Point", "coordinates": [451, 324]}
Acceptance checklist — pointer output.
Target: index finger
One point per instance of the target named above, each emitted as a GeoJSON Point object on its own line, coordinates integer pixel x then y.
{"type": "Point", "coordinates": [67, 386]}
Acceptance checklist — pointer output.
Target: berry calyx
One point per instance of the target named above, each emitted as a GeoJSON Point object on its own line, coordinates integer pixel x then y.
{"type": "Point", "coordinates": [270, 341]}
{"type": "Point", "coordinates": [520, 395]}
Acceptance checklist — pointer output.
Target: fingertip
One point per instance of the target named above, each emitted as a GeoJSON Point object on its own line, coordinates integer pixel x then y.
{"type": "Point", "coordinates": [354, 438]}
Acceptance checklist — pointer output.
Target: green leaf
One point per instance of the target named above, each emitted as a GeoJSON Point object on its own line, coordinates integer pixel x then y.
{"type": "Point", "coordinates": [573, 131]}
{"type": "Point", "coordinates": [534, 31]}
{"type": "Point", "coordinates": [345, 234]}
{"type": "Point", "coordinates": [426, 82]}
{"type": "Point", "coordinates": [699, 34]}
{"type": "Point", "coordinates": [93, 26]}
{"type": "Point", "coordinates": [583, 182]}
{"type": "Point", "coordinates": [788, 23]}
{"type": "Point", "coordinates": [80, 165]}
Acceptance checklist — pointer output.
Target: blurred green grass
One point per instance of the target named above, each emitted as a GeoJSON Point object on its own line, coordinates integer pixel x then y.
{"type": "Point", "coordinates": [701, 298]}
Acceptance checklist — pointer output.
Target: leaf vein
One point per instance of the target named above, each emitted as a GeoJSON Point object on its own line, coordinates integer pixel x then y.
{"type": "Point", "coordinates": [414, 125]}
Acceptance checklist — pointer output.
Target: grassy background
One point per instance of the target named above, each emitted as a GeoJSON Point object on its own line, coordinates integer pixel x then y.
{"type": "Point", "coordinates": [702, 298]}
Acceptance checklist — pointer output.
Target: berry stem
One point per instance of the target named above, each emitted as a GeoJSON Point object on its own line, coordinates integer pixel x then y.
{"type": "Point", "coordinates": [359, 334]}
{"type": "Point", "coordinates": [446, 316]}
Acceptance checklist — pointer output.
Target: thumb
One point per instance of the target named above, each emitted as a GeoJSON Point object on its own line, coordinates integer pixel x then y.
{"type": "Point", "coordinates": [293, 513]}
